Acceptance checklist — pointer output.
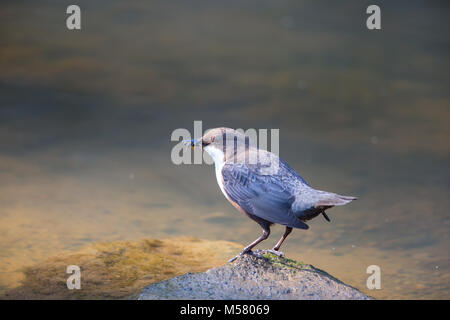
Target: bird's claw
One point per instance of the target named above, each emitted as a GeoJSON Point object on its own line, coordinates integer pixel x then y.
{"type": "Point", "coordinates": [276, 252]}
{"type": "Point", "coordinates": [256, 253]}
{"type": "Point", "coordinates": [250, 252]}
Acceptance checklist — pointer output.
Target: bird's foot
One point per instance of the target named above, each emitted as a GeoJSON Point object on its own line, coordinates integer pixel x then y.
{"type": "Point", "coordinates": [276, 252]}
{"type": "Point", "coordinates": [257, 253]}
{"type": "Point", "coordinates": [250, 252]}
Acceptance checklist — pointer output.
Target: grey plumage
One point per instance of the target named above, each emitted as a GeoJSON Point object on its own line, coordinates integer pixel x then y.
{"type": "Point", "coordinates": [283, 197]}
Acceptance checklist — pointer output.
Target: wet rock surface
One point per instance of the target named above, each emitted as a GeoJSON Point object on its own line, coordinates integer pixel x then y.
{"type": "Point", "coordinates": [263, 275]}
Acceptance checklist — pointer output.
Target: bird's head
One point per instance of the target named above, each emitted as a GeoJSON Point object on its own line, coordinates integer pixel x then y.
{"type": "Point", "coordinates": [220, 142]}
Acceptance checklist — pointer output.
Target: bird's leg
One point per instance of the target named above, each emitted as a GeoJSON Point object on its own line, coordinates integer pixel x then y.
{"type": "Point", "coordinates": [278, 245]}
{"type": "Point", "coordinates": [263, 237]}
{"type": "Point", "coordinates": [248, 249]}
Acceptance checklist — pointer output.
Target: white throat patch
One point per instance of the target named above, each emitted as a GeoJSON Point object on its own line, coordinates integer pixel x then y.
{"type": "Point", "coordinates": [218, 156]}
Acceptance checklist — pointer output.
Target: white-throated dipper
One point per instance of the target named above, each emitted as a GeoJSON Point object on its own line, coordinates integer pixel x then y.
{"type": "Point", "coordinates": [262, 185]}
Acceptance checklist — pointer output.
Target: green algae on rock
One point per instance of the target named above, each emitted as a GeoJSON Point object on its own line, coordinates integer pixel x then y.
{"type": "Point", "coordinates": [283, 261]}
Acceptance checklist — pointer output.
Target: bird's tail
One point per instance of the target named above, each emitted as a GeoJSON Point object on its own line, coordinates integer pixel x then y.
{"type": "Point", "coordinates": [333, 199]}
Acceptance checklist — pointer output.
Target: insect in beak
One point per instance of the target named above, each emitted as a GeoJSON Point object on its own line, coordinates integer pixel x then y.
{"type": "Point", "coordinates": [192, 143]}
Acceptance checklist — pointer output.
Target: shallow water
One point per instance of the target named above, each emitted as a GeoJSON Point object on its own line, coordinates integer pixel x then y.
{"type": "Point", "coordinates": [86, 119]}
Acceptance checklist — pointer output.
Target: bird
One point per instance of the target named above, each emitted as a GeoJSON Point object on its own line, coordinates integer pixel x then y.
{"type": "Point", "coordinates": [263, 186]}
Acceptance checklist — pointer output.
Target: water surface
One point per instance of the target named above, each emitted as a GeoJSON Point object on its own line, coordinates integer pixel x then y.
{"type": "Point", "coordinates": [86, 118]}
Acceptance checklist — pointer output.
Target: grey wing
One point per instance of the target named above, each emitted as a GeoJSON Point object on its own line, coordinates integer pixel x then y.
{"type": "Point", "coordinates": [261, 195]}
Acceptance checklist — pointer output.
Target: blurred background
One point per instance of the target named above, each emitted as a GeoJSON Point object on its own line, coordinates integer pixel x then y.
{"type": "Point", "coordinates": [86, 118]}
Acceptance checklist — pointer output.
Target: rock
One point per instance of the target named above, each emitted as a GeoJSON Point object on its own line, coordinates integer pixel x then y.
{"type": "Point", "coordinates": [120, 269]}
{"type": "Point", "coordinates": [263, 275]}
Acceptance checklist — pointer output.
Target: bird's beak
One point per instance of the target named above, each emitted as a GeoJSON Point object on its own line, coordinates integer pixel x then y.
{"type": "Point", "coordinates": [193, 143]}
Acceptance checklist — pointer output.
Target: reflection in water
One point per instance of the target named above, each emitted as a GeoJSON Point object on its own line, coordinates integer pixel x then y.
{"type": "Point", "coordinates": [86, 118]}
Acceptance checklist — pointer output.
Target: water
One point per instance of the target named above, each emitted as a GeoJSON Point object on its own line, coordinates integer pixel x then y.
{"type": "Point", "coordinates": [86, 118]}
